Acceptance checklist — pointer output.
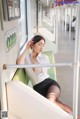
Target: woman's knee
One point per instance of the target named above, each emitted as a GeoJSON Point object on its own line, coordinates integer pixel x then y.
{"type": "Point", "coordinates": [53, 92]}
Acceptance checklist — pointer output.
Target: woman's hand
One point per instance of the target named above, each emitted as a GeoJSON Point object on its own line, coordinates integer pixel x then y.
{"type": "Point", "coordinates": [21, 58]}
{"type": "Point", "coordinates": [29, 45]}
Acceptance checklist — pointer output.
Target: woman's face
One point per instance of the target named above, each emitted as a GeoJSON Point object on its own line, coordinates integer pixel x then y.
{"type": "Point", "coordinates": [38, 47]}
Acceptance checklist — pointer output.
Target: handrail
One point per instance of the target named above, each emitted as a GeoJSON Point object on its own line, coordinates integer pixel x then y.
{"type": "Point", "coordinates": [5, 66]}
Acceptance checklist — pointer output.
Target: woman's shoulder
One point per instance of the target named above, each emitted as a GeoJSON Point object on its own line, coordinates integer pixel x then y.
{"type": "Point", "coordinates": [44, 57]}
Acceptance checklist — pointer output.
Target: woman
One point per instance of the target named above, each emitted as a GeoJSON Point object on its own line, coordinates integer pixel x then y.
{"type": "Point", "coordinates": [40, 79]}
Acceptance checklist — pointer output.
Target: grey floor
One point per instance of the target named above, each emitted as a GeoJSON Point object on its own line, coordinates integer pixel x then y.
{"type": "Point", "coordinates": [65, 74]}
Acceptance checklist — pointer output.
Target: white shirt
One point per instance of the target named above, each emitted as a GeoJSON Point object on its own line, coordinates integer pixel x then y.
{"type": "Point", "coordinates": [37, 77]}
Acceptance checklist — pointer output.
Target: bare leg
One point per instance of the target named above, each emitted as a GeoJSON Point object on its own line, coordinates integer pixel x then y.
{"type": "Point", "coordinates": [78, 117]}
{"type": "Point", "coordinates": [54, 94]}
{"type": "Point", "coordinates": [64, 106]}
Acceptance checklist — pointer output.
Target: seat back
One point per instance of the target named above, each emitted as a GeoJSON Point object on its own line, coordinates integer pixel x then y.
{"type": "Point", "coordinates": [52, 70]}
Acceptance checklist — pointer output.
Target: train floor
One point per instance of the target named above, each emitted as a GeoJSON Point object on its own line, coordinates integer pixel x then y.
{"type": "Point", "coordinates": [65, 53]}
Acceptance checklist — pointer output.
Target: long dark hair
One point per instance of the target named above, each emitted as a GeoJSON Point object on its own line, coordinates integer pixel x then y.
{"type": "Point", "coordinates": [37, 38]}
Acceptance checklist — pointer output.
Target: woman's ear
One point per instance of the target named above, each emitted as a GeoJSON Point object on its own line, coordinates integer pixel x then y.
{"type": "Point", "coordinates": [32, 46]}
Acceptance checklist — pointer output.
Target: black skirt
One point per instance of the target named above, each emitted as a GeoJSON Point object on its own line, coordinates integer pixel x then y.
{"type": "Point", "coordinates": [43, 86]}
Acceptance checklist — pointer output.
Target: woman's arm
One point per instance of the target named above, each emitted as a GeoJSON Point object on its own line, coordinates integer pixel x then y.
{"type": "Point", "coordinates": [22, 57]}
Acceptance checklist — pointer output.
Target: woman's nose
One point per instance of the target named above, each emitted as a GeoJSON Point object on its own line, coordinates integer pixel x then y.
{"type": "Point", "coordinates": [41, 48]}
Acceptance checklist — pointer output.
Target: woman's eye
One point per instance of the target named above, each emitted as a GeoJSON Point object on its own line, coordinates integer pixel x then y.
{"type": "Point", "coordinates": [39, 44]}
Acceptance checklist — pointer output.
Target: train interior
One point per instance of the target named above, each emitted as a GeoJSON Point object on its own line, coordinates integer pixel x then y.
{"type": "Point", "coordinates": [58, 23]}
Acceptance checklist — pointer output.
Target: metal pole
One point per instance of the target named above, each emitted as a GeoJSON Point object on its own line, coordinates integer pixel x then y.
{"type": "Point", "coordinates": [62, 19]}
{"type": "Point", "coordinates": [1, 15]}
{"type": "Point", "coordinates": [65, 19]}
{"type": "Point", "coordinates": [76, 67]}
{"type": "Point", "coordinates": [37, 4]}
{"type": "Point", "coordinates": [47, 2]}
{"type": "Point", "coordinates": [70, 24]}
{"type": "Point", "coordinates": [5, 66]}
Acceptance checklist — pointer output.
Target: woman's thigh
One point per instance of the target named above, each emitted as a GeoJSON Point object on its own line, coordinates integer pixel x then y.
{"type": "Point", "coordinates": [53, 92]}
{"type": "Point", "coordinates": [46, 86]}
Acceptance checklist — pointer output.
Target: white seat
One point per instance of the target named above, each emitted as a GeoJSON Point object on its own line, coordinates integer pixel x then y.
{"type": "Point", "coordinates": [25, 103]}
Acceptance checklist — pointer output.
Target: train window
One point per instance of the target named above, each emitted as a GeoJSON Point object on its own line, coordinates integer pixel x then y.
{"type": "Point", "coordinates": [23, 24]}
{"type": "Point", "coordinates": [11, 9]}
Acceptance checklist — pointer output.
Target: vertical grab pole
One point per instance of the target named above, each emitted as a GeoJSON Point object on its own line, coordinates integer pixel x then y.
{"type": "Point", "coordinates": [76, 66]}
{"type": "Point", "coordinates": [1, 15]}
{"type": "Point", "coordinates": [37, 18]}
{"type": "Point", "coordinates": [65, 19]}
{"type": "Point", "coordinates": [70, 22]}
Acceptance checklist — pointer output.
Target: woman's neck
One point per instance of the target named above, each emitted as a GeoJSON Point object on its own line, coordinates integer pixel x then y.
{"type": "Point", "coordinates": [34, 55]}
